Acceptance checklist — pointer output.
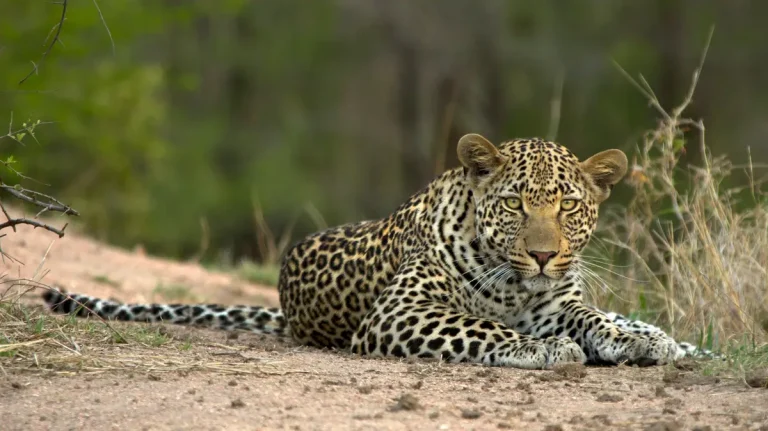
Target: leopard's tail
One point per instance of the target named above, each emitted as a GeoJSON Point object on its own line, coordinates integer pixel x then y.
{"type": "Point", "coordinates": [262, 320]}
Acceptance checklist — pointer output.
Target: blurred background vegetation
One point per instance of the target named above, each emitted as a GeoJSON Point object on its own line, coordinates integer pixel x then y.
{"type": "Point", "coordinates": [204, 116]}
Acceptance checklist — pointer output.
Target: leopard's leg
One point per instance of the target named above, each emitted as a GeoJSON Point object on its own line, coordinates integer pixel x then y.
{"type": "Point", "coordinates": [409, 319]}
{"type": "Point", "coordinates": [562, 312]}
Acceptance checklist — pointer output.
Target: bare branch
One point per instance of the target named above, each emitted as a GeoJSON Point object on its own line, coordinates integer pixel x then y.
{"type": "Point", "coordinates": [53, 42]}
{"type": "Point", "coordinates": [17, 221]}
{"type": "Point", "coordinates": [32, 196]}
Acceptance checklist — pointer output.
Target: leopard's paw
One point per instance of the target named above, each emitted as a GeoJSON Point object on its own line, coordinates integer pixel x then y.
{"type": "Point", "coordinates": [649, 350]}
{"type": "Point", "coordinates": [562, 350]}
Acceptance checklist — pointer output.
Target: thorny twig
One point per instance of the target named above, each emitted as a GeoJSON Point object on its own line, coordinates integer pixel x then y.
{"type": "Point", "coordinates": [48, 204]}
{"type": "Point", "coordinates": [53, 42]}
{"type": "Point", "coordinates": [32, 196]}
{"type": "Point", "coordinates": [12, 222]}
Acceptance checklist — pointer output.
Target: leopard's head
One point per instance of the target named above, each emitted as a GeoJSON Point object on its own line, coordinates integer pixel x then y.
{"type": "Point", "coordinates": [536, 204]}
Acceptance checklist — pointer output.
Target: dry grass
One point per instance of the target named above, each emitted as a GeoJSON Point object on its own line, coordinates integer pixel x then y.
{"type": "Point", "coordinates": [693, 252]}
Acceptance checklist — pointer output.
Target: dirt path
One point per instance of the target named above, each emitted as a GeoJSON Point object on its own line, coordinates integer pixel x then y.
{"type": "Point", "coordinates": [278, 385]}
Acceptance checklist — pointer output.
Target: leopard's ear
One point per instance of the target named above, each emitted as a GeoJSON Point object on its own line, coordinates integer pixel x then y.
{"type": "Point", "coordinates": [605, 170]}
{"type": "Point", "coordinates": [481, 159]}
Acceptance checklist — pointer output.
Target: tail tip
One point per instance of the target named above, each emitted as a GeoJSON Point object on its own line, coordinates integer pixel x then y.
{"type": "Point", "coordinates": [53, 295]}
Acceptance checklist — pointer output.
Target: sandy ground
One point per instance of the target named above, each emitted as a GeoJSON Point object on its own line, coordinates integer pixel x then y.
{"type": "Point", "coordinates": [308, 389]}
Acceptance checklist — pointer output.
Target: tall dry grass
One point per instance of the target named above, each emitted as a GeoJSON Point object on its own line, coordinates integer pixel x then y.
{"type": "Point", "coordinates": [693, 251]}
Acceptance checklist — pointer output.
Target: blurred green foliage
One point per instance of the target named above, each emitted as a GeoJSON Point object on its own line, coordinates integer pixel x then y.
{"type": "Point", "coordinates": [200, 109]}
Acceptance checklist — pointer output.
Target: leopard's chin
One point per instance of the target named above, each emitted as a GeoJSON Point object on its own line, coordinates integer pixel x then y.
{"type": "Point", "coordinates": [538, 283]}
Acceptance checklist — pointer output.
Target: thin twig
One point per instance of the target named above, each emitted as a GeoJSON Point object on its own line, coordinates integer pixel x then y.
{"type": "Point", "coordinates": [53, 42]}
{"type": "Point", "coordinates": [7, 216]}
{"type": "Point", "coordinates": [106, 27]}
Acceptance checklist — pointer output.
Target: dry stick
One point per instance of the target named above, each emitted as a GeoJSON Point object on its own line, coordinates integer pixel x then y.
{"type": "Point", "coordinates": [556, 107]}
{"type": "Point", "coordinates": [53, 204]}
{"type": "Point", "coordinates": [53, 42]}
{"type": "Point", "coordinates": [17, 221]}
{"type": "Point", "coordinates": [449, 116]}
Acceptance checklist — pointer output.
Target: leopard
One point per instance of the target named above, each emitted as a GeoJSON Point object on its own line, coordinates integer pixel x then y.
{"type": "Point", "coordinates": [483, 265]}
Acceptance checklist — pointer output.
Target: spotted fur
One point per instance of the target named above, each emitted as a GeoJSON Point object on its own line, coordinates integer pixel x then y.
{"type": "Point", "coordinates": [480, 266]}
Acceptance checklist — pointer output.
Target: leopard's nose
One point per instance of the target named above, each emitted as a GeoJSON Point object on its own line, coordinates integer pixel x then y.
{"type": "Point", "coordinates": [542, 257]}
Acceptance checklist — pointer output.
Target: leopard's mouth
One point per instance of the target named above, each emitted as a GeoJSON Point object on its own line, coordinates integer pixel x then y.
{"type": "Point", "coordinates": [539, 275]}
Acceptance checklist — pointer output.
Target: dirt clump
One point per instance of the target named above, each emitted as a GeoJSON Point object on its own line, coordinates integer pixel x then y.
{"type": "Point", "coordinates": [405, 402]}
{"type": "Point", "coordinates": [610, 398]}
{"type": "Point", "coordinates": [757, 378]}
{"type": "Point", "coordinates": [571, 371]}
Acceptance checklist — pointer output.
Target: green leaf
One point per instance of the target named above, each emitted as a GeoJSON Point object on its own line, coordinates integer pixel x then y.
{"type": "Point", "coordinates": [678, 144]}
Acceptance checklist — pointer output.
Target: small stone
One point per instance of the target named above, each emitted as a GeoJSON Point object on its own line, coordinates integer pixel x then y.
{"type": "Point", "coordinates": [609, 398]}
{"type": "Point", "coordinates": [470, 413]}
{"type": "Point", "coordinates": [238, 403]}
{"type": "Point", "coordinates": [663, 426]}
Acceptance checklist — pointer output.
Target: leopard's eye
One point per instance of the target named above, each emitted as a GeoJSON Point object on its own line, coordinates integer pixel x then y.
{"type": "Point", "coordinates": [513, 204]}
{"type": "Point", "coordinates": [567, 204]}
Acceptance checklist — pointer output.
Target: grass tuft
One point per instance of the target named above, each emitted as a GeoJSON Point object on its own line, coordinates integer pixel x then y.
{"type": "Point", "coordinates": [264, 274]}
{"type": "Point", "coordinates": [690, 252]}
{"type": "Point", "coordinates": [175, 293]}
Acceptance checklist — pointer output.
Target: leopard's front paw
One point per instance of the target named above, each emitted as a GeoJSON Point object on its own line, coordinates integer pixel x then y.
{"type": "Point", "coordinates": [648, 350]}
{"type": "Point", "coordinates": [561, 350]}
